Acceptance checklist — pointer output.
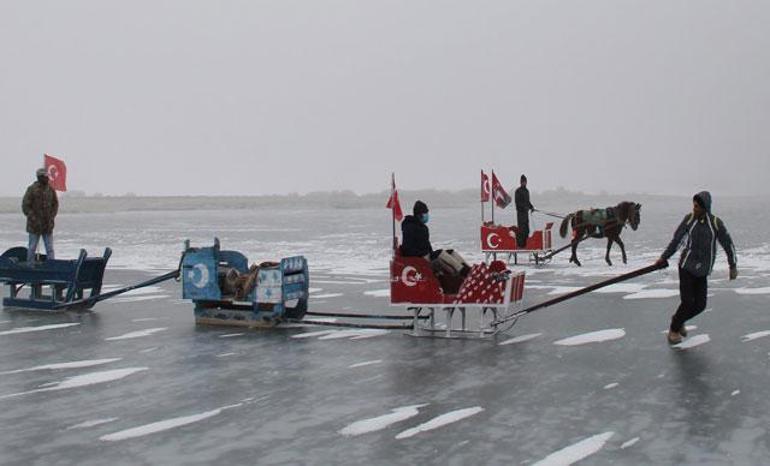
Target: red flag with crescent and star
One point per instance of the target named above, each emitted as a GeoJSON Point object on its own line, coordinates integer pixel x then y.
{"type": "Point", "coordinates": [393, 202]}
{"type": "Point", "coordinates": [502, 198]}
{"type": "Point", "coordinates": [57, 172]}
{"type": "Point", "coordinates": [485, 190]}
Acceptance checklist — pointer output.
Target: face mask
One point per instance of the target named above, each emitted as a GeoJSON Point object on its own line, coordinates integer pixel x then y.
{"type": "Point", "coordinates": [425, 218]}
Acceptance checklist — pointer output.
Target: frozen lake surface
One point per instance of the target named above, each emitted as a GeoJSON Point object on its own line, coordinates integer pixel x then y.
{"type": "Point", "coordinates": [593, 379]}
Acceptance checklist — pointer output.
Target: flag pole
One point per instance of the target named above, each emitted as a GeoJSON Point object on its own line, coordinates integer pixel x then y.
{"type": "Point", "coordinates": [492, 197]}
{"type": "Point", "coordinates": [393, 210]}
{"type": "Point", "coordinates": [481, 197]}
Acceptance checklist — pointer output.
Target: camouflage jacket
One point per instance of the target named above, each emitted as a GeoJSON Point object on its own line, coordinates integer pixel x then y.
{"type": "Point", "coordinates": [40, 205]}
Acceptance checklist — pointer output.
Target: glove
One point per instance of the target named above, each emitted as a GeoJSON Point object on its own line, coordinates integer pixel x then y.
{"type": "Point", "coordinates": [661, 261]}
{"type": "Point", "coordinates": [733, 273]}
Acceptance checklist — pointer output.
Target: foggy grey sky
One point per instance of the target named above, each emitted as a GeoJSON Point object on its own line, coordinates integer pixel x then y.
{"type": "Point", "coordinates": [259, 97]}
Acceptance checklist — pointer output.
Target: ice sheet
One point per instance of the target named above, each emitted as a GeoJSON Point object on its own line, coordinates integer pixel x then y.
{"type": "Point", "coordinates": [65, 365]}
{"type": "Point", "coordinates": [574, 453]}
{"type": "Point", "coordinates": [592, 337]}
{"type": "Point", "coordinates": [381, 422]}
{"type": "Point", "coordinates": [92, 423]}
{"type": "Point", "coordinates": [137, 334]}
{"type": "Point", "coordinates": [661, 293]}
{"type": "Point", "coordinates": [755, 335]}
{"type": "Point", "coordinates": [84, 380]}
{"type": "Point", "coordinates": [520, 339]}
{"type": "Point", "coordinates": [440, 421]}
{"type": "Point", "coordinates": [365, 363]}
{"type": "Point", "coordinates": [160, 426]}
{"type": "Point", "coordinates": [36, 329]}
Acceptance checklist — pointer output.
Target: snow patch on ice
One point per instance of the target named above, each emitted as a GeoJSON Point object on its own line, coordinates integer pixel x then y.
{"type": "Point", "coordinates": [82, 381]}
{"type": "Point", "coordinates": [686, 327]}
{"type": "Point", "coordinates": [144, 319]}
{"type": "Point", "coordinates": [384, 293]}
{"type": "Point", "coordinates": [610, 386]}
{"type": "Point", "coordinates": [327, 295]}
{"type": "Point", "coordinates": [313, 334]}
{"type": "Point", "coordinates": [92, 423]}
{"type": "Point", "coordinates": [574, 453]}
{"type": "Point", "coordinates": [592, 337]}
{"type": "Point", "coordinates": [357, 334]}
{"type": "Point", "coordinates": [755, 335]}
{"type": "Point", "coordinates": [231, 335]}
{"type": "Point", "coordinates": [160, 426]}
{"type": "Point", "coordinates": [36, 329]}
{"type": "Point", "coordinates": [519, 339]}
{"type": "Point", "coordinates": [753, 291]}
{"type": "Point", "coordinates": [65, 365]}
{"type": "Point", "coordinates": [697, 340]}
{"type": "Point", "coordinates": [629, 443]}
{"type": "Point", "coordinates": [136, 299]}
{"type": "Point", "coordinates": [622, 288]}
{"type": "Point", "coordinates": [653, 294]}
{"type": "Point", "coordinates": [440, 421]}
{"type": "Point", "coordinates": [365, 363]}
{"type": "Point", "coordinates": [149, 350]}
{"type": "Point", "coordinates": [312, 290]}
{"type": "Point", "coordinates": [137, 334]}
{"type": "Point", "coordinates": [735, 392]}
{"type": "Point", "coordinates": [224, 355]}
{"type": "Point", "coordinates": [381, 422]}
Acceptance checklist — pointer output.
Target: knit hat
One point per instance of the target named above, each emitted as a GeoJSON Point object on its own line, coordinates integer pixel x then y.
{"type": "Point", "coordinates": [419, 208]}
{"type": "Point", "coordinates": [523, 178]}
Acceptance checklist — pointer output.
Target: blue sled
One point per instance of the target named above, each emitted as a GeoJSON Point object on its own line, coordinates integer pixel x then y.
{"type": "Point", "coordinates": [227, 292]}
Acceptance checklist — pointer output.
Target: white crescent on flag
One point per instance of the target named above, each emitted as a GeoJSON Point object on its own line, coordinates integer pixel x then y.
{"type": "Point", "coordinates": [493, 240]}
{"type": "Point", "coordinates": [409, 276]}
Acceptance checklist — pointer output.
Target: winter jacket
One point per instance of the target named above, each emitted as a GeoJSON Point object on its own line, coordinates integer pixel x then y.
{"type": "Point", "coordinates": [522, 200]}
{"type": "Point", "coordinates": [40, 205]}
{"type": "Point", "coordinates": [415, 238]}
{"type": "Point", "coordinates": [700, 237]}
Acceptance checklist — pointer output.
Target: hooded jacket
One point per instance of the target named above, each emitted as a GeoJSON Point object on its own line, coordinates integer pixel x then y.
{"type": "Point", "coordinates": [40, 205]}
{"type": "Point", "coordinates": [415, 237]}
{"type": "Point", "coordinates": [700, 237]}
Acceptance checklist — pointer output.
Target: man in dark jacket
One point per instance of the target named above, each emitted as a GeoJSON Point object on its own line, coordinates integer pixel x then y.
{"type": "Point", "coordinates": [523, 208]}
{"type": "Point", "coordinates": [416, 243]}
{"type": "Point", "coordinates": [40, 205]}
{"type": "Point", "coordinates": [699, 232]}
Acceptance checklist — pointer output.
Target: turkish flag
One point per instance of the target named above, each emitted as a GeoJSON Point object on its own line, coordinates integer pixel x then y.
{"type": "Point", "coordinates": [393, 202]}
{"type": "Point", "coordinates": [57, 172]}
{"type": "Point", "coordinates": [502, 198]}
{"type": "Point", "coordinates": [484, 187]}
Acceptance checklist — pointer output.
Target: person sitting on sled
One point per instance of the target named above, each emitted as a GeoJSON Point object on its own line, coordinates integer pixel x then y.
{"type": "Point", "coordinates": [416, 243]}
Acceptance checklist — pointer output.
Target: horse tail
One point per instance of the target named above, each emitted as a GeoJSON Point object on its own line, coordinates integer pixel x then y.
{"type": "Point", "coordinates": [565, 224]}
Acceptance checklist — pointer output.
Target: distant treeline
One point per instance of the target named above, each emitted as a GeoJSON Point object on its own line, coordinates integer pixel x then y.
{"type": "Point", "coordinates": [79, 203]}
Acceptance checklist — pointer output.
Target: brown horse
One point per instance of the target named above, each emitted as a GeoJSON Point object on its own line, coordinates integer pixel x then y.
{"type": "Point", "coordinates": [600, 223]}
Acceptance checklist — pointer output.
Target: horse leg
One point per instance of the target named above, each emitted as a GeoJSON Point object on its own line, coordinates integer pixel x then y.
{"type": "Point", "coordinates": [622, 249]}
{"type": "Point", "coordinates": [609, 246]}
{"type": "Point", "coordinates": [574, 257]}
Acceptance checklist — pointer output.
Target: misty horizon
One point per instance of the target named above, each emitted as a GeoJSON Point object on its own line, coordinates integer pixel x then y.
{"type": "Point", "coordinates": [260, 98]}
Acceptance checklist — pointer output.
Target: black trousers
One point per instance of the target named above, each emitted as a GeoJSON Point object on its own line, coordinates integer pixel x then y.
{"type": "Point", "coordinates": [522, 225]}
{"type": "Point", "coordinates": [693, 291]}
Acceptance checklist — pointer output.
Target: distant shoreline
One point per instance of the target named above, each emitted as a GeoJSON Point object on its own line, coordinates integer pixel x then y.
{"type": "Point", "coordinates": [327, 200]}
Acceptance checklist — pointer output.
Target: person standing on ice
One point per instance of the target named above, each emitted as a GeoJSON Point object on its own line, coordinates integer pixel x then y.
{"type": "Point", "coordinates": [416, 243]}
{"type": "Point", "coordinates": [523, 209]}
{"type": "Point", "coordinates": [40, 205]}
{"type": "Point", "coordinates": [699, 232]}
